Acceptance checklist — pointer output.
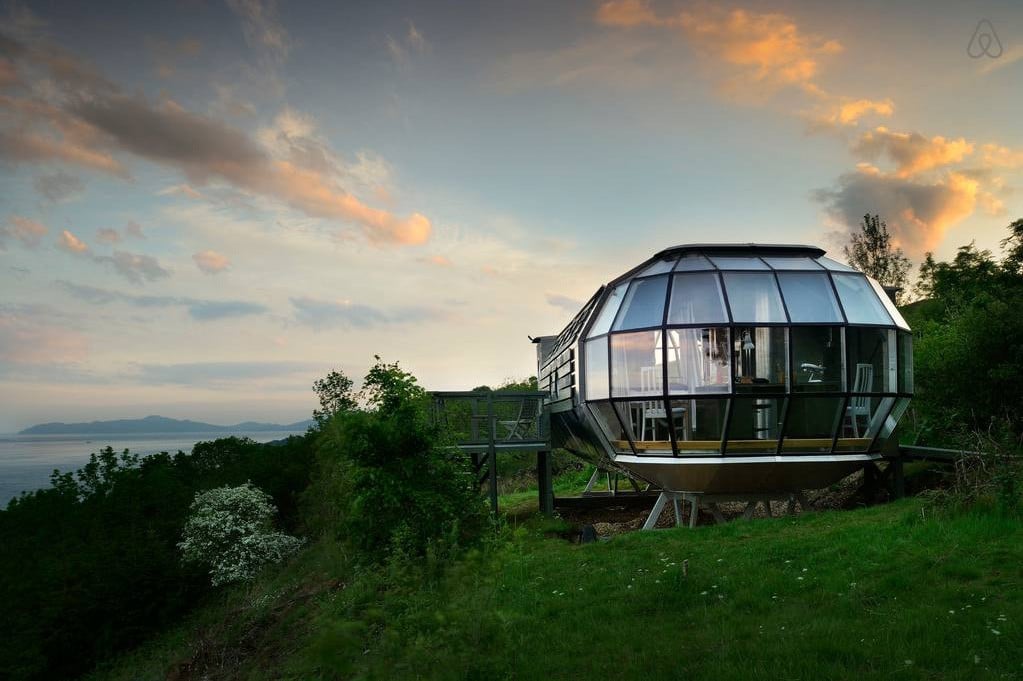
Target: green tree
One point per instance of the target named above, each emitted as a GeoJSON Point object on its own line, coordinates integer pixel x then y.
{"type": "Point", "coordinates": [870, 250]}
{"type": "Point", "coordinates": [335, 392]}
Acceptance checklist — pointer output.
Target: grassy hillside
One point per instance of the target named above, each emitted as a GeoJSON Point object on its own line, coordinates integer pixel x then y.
{"type": "Point", "coordinates": [900, 591]}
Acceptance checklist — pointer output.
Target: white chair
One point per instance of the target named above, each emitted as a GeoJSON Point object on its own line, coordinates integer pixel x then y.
{"type": "Point", "coordinates": [859, 405]}
{"type": "Point", "coordinates": [652, 411]}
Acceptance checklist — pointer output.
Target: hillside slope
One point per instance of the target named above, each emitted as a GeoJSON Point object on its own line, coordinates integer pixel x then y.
{"type": "Point", "coordinates": [900, 591]}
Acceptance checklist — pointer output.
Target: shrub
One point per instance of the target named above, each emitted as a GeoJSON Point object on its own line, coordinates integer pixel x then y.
{"type": "Point", "coordinates": [387, 482]}
{"type": "Point", "coordinates": [230, 532]}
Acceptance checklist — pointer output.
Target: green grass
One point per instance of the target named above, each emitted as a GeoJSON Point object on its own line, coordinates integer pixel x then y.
{"type": "Point", "coordinates": [897, 591]}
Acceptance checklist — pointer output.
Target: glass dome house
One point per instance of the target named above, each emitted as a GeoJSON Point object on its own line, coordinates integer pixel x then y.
{"type": "Point", "coordinates": [731, 369]}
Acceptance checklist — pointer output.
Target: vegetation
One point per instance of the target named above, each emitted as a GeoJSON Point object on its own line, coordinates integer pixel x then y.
{"type": "Point", "coordinates": [871, 251]}
{"type": "Point", "coordinates": [230, 532]}
{"type": "Point", "coordinates": [969, 342]}
{"type": "Point", "coordinates": [907, 590]}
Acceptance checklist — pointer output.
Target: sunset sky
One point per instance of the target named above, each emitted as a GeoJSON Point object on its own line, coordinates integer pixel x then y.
{"type": "Point", "coordinates": [206, 205]}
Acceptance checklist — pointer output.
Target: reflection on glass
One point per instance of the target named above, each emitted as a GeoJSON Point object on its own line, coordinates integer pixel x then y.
{"type": "Point", "coordinates": [905, 363]}
{"type": "Point", "coordinates": [753, 297]}
{"type": "Point", "coordinates": [647, 422]}
{"type": "Point", "coordinates": [889, 305]}
{"type": "Point", "coordinates": [817, 359]}
{"type": "Point", "coordinates": [698, 361]}
{"type": "Point", "coordinates": [597, 369]}
{"type": "Point", "coordinates": [834, 265]}
{"type": "Point", "coordinates": [699, 425]}
{"type": "Point", "coordinates": [793, 264]}
{"type": "Point", "coordinates": [891, 421]}
{"type": "Point", "coordinates": [696, 298]}
{"type": "Point", "coordinates": [733, 263]}
{"type": "Point", "coordinates": [644, 304]}
{"type": "Point", "coordinates": [693, 261]}
{"type": "Point", "coordinates": [808, 297]}
{"type": "Point", "coordinates": [861, 421]}
{"type": "Point", "coordinates": [657, 267]}
{"type": "Point", "coordinates": [859, 300]}
{"type": "Point", "coordinates": [636, 367]}
{"type": "Point", "coordinates": [754, 425]}
{"type": "Point", "coordinates": [760, 358]}
{"type": "Point", "coordinates": [810, 424]}
{"type": "Point", "coordinates": [604, 414]}
{"type": "Point", "coordinates": [607, 313]}
{"type": "Point", "coordinates": [872, 360]}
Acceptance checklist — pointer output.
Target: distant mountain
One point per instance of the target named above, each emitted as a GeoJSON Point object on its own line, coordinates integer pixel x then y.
{"type": "Point", "coordinates": [158, 424]}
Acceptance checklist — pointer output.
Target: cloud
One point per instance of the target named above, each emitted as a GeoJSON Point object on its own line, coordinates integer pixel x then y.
{"type": "Point", "coordinates": [169, 54]}
{"type": "Point", "coordinates": [997, 156]}
{"type": "Point", "coordinates": [324, 314]}
{"type": "Point", "coordinates": [219, 373]}
{"type": "Point", "coordinates": [438, 260]}
{"type": "Point", "coordinates": [563, 302]}
{"type": "Point", "coordinates": [199, 309]}
{"type": "Point", "coordinates": [401, 49]}
{"type": "Point", "coordinates": [181, 190]}
{"type": "Point", "coordinates": [57, 186]}
{"type": "Point", "coordinates": [70, 243]}
{"type": "Point", "coordinates": [211, 262]}
{"type": "Point", "coordinates": [134, 229]}
{"type": "Point", "coordinates": [918, 212]}
{"type": "Point", "coordinates": [108, 235]}
{"type": "Point", "coordinates": [135, 267]}
{"type": "Point", "coordinates": [760, 53]}
{"type": "Point", "coordinates": [87, 118]}
{"type": "Point", "coordinates": [27, 231]}
{"type": "Point", "coordinates": [25, 339]}
{"type": "Point", "coordinates": [261, 27]}
{"type": "Point", "coordinates": [911, 152]}
{"type": "Point", "coordinates": [839, 112]}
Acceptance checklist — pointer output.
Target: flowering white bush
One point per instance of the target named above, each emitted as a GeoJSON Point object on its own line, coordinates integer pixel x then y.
{"type": "Point", "coordinates": [230, 531]}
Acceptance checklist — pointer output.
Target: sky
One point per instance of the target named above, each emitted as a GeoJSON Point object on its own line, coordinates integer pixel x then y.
{"type": "Point", "coordinates": [206, 205]}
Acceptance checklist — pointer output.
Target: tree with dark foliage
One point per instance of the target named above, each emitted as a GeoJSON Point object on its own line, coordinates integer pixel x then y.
{"type": "Point", "coordinates": [870, 250]}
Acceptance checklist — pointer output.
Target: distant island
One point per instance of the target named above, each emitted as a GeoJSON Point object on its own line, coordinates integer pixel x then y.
{"type": "Point", "coordinates": [158, 424]}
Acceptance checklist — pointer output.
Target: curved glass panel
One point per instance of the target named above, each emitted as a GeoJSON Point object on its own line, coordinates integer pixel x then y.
{"type": "Point", "coordinates": [905, 363]}
{"type": "Point", "coordinates": [732, 263]}
{"type": "Point", "coordinates": [597, 386]}
{"type": "Point", "coordinates": [810, 424]}
{"type": "Point", "coordinates": [607, 313]}
{"type": "Point", "coordinates": [693, 261]}
{"type": "Point", "coordinates": [834, 265]}
{"type": "Point", "coordinates": [696, 298]}
{"type": "Point", "coordinates": [889, 305]}
{"type": "Point", "coordinates": [753, 297]}
{"type": "Point", "coordinates": [761, 359]}
{"type": "Point", "coordinates": [698, 361]}
{"type": "Point", "coordinates": [604, 414]}
{"type": "Point", "coordinates": [891, 421]}
{"type": "Point", "coordinates": [644, 304]}
{"type": "Point", "coordinates": [657, 267]}
{"type": "Point", "coordinates": [818, 363]}
{"type": "Point", "coordinates": [808, 297]}
{"type": "Point", "coordinates": [859, 301]}
{"type": "Point", "coordinates": [872, 360]}
{"type": "Point", "coordinates": [861, 421]}
{"type": "Point", "coordinates": [646, 422]}
{"type": "Point", "coordinates": [636, 366]}
{"type": "Point", "coordinates": [699, 425]}
{"type": "Point", "coordinates": [754, 425]}
{"type": "Point", "coordinates": [793, 264]}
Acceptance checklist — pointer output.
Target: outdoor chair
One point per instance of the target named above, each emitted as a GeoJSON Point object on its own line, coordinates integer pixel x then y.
{"type": "Point", "coordinates": [859, 405]}
{"type": "Point", "coordinates": [523, 424]}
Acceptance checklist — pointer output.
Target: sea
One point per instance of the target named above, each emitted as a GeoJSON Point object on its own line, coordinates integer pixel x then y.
{"type": "Point", "coordinates": [26, 461]}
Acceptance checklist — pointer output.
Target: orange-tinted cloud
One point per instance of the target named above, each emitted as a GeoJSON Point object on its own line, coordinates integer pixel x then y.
{"type": "Point", "coordinates": [90, 118]}
{"type": "Point", "coordinates": [761, 53]}
{"type": "Point", "coordinates": [27, 231]}
{"type": "Point", "coordinates": [837, 112]}
{"type": "Point", "coordinates": [997, 156]}
{"type": "Point", "coordinates": [911, 152]}
{"type": "Point", "coordinates": [70, 243]}
{"type": "Point", "coordinates": [108, 235]}
{"type": "Point", "coordinates": [918, 212]}
{"type": "Point", "coordinates": [211, 262]}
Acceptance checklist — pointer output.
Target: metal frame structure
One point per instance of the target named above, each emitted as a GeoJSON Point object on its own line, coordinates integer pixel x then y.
{"type": "Point", "coordinates": [584, 414]}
